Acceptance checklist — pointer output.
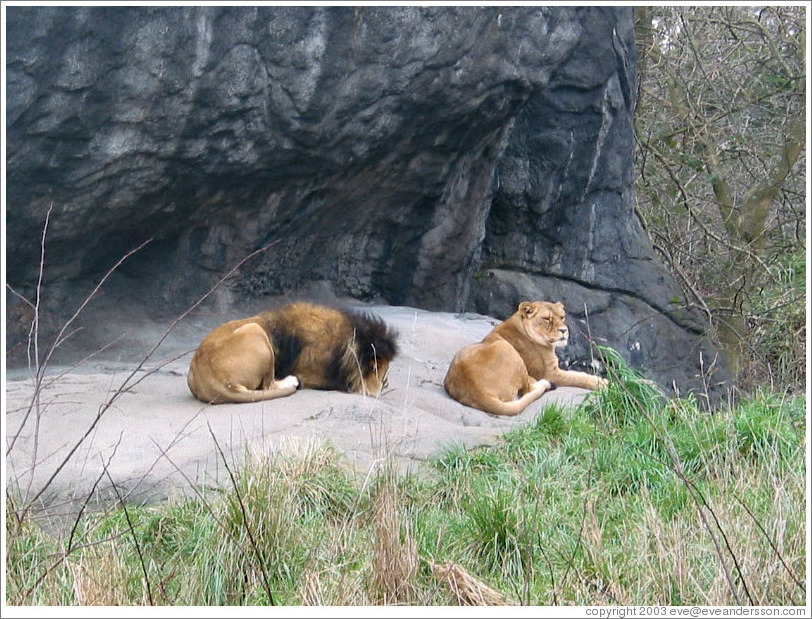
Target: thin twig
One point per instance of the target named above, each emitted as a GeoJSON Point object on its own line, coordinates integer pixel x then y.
{"type": "Point", "coordinates": [128, 381]}
{"type": "Point", "coordinates": [766, 535]}
{"type": "Point", "coordinates": [70, 548]}
{"type": "Point", "coordinates": [131, 529]}
{"type": "Point", "coordinates": [254, 546]}
{"type": "Point", "coordinates": [40, 367]}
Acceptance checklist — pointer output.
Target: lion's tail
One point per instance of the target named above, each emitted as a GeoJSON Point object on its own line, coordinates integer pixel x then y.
{"type": "Point", "coordinates": [495, 406]}
{"type": "Point", "coordinates": [239, 394]}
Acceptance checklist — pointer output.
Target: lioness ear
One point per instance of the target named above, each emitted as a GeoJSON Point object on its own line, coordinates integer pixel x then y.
{"type": "Point", "coordinates": [559, 305]}
{"type": "Point", "coordinates": [526, 308]}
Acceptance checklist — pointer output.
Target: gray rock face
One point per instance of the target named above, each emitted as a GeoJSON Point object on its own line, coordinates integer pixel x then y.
{"type": "Point", "coordinates": [448, 158]}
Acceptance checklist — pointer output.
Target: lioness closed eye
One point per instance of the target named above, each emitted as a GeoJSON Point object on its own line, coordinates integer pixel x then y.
{"type": "Point", "coordinates": [516, 362]}
{"type": "Point", "coordinates": [312, 346]}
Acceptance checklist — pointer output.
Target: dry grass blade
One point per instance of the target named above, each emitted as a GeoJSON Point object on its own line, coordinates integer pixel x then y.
{"type": "Point", "coordinates": [395, 560]}
{"type": "Point", "coordinates": [468, 590]}
{"type": "Point", "coordinates": [99, 577]}
{"type": "Point", "coordinates": [312, 590]}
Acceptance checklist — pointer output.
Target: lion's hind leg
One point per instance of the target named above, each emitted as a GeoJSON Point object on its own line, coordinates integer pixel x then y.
{"type": "Point", "coordinates": [246, 364]}
{"type": "Point", "coordinates": [492, 377]}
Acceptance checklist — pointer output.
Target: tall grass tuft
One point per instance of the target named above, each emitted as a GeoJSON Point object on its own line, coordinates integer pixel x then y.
{"type": "Point", "coordinates": [394, 559]}
{"type": "Point", "coordinates": [493, 529]}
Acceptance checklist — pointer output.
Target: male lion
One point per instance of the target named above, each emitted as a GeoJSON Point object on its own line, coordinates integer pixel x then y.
{"type": "Point", "coordinates": [516, 362]}
{"type": "Point", "coordinates": [310, 345]}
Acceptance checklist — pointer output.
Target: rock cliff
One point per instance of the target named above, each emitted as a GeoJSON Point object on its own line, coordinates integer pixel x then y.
{"type": "Point", "coordinates": [447, 158]}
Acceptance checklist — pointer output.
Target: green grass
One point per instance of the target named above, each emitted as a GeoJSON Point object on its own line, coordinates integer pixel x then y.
{"type": "Point", "coordinates": [631, 498]}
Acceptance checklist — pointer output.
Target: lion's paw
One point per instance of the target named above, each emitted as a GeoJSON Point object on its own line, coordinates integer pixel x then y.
{"type": "Point", "coordinates": [290, 381]}
{"type": "Point", "coordinates": [544, 385]}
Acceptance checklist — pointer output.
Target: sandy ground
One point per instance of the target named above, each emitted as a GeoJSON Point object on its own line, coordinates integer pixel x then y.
{"type": "Point", "coordinates": [105, 426]}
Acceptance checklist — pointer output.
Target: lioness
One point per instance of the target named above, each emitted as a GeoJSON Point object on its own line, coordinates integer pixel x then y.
{"type": "Point", "coordinates": [310, 345]}
{"type": "Point", "coordinates": [516, 362]}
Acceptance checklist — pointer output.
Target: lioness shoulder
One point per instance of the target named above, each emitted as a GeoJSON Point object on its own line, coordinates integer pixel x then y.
{"type": "Point", "coordinates": [516, 363]}
{"type": "Point", "coordinates": [310, 345]}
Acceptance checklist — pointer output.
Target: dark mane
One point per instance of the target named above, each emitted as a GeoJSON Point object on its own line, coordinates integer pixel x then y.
{"type": "Point", "coordinates": [287, 348]}
{"type": "Point", "coordinates": [374, 339]}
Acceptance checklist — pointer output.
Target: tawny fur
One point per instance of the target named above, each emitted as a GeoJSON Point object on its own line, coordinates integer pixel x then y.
{"type": "Point", "coordinates": [312, 346]}
{"type": "Point", "coordinates": [516, 363]}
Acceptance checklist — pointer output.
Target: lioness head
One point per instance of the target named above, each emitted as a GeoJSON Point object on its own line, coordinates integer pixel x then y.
{"type": "Point", "coordinates": [544, 322]}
